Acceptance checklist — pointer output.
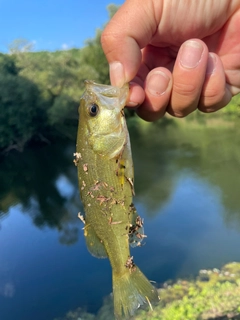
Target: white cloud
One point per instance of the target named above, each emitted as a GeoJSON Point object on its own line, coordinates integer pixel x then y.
{"type": "Point", "coordinates": [65, 46]}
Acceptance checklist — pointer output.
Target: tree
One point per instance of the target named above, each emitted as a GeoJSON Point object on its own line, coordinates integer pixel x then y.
{"type": "Point", "coordinates": [93, 55]}
{"type": "Point", "coordinates": [20, 45]}
{"type": "Point", "coordinates": [18, 121]}
{"type": "Point", "coordinates": [40, 91]}
{"type": "Point", "coordinates": [112, 9]}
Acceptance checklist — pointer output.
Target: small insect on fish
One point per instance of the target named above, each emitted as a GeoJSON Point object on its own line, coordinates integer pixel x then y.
{"type": "Point", "coordinates": [105, 174]}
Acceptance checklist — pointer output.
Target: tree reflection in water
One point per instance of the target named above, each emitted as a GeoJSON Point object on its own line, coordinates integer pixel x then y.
{"type": "Point", "coordinates": [43, 181]}
{"type": "Point", "coordinates": [33, 178]}
{"type": "Point", "coordinates": [169, 159]}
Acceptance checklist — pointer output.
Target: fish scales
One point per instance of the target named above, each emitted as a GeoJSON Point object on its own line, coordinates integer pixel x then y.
{"type": "Point", "coordinates": [103, 199]}
{"type": "Point", "coordinates": [105, 172]}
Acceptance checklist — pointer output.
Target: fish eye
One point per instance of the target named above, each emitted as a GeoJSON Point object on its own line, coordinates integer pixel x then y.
{"type": "Point", "coordinates": [93, 109]}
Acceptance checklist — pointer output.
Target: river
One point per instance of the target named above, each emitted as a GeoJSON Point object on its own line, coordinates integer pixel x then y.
{"type": "Point", "coordinates": [187, 186]}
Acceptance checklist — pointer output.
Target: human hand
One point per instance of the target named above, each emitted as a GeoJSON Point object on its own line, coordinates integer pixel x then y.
{"type": "Point", "coordinates": [178, 55]}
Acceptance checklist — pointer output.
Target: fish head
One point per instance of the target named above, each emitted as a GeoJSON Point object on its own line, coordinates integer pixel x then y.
{"type": "Point", "coordinates": [102, 118]}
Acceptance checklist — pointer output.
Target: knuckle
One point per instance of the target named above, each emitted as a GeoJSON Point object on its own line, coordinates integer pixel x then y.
{"type": "Point", "coordinates": [212, 105]}
{"type": "Point", "coordinates": [214, 94]}
{"type": "Point", "coordinates": [185, 89]}
{"type": "Point", "coordinates": [212, 100]}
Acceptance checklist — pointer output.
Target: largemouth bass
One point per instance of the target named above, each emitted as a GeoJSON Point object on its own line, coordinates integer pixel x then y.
{"type": "Point", "coordinates": [105, 174]}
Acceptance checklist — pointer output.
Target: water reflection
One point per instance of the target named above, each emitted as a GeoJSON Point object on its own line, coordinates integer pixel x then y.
{"type": "Point", "coordinates": [43, 181]}
{"type": "Point", "coordinates": [211, 153]}
{"type": "Point", "coordinates": [186, 181]}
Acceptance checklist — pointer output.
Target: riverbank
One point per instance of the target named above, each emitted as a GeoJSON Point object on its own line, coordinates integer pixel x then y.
{"type": "Point", "coordinates": [213, 294]}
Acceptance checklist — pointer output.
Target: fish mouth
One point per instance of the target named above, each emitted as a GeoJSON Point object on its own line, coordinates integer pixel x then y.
{"type": "Point", "coordinates": [107, 93]}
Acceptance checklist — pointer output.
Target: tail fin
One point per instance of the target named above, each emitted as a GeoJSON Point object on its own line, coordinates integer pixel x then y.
{"type": "Point", "coordinates": [130, 291]}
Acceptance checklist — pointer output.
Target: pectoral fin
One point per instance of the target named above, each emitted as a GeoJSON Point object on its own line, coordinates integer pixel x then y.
{"type": "Point", "coordinates": [94, 244]}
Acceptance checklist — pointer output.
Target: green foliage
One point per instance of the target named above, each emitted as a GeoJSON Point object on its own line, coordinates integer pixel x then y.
{"type": "Point", "coordinates": [20, 45]}
{"type": "Point", "coordinates": [7, 65]}
{"type": "Point", "coordinates": [230, 112]}
{"type": "Point", "coordinates": [16, 117]}
{"type": "Point", "coordinates": [233, 108]}
{"type": "Point", "coordinates": [112, 9]}
{"type": "Point", "coordinates": [92, 55]}
{"type": "Point", "coordinates": [203, 302]}
{"type": "Point", "coordinates": [40, 91]}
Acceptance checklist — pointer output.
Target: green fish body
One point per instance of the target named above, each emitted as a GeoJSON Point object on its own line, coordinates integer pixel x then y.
{"type": "Point", "coordinates": [105, 174]}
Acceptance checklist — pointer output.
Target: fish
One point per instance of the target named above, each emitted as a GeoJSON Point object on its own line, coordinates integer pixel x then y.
{"type": "Point", "coordinates": [105, 175]}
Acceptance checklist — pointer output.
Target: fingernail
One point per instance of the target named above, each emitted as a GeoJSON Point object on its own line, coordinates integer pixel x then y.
{"type": "Point", "coordinates": [190, 54]}
{"type": "Point", "coordinates": [211, 64]}
{"type": "Point", "coordinates": [116, 74]}
{"type": "Point", "coordinates": [157, 83]}
{"type": "Point", "coordinates": [132, 104]}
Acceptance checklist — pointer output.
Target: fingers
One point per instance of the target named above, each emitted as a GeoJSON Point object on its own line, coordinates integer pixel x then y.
{"type": "Point", "coordinates": [188, 77]}
{"type": "Point", "coordinates": [130, 29]}
{"type": "Point", "coordinates": [178, 92]}
{"type": "Point", "coordinates": [157, 87]}
{"type": "Point", "coordinates": [197, 81]}
{"type": "Point", "coordinates": [215, 93]}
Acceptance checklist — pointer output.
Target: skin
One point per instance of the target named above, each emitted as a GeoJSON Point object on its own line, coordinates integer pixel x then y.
{"type": "Point", "coordinates": [178, 55]}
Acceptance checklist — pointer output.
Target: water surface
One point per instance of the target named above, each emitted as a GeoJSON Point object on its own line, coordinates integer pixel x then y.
{"type": "Point", "coordinates": [187, 190]}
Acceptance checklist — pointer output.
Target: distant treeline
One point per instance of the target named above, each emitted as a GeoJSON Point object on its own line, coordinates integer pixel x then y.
{"type": "Point", "coordinates": [40, 91]}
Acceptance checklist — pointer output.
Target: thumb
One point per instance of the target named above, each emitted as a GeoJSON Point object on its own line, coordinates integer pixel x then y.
{"type": "Point", "coordinates": [130, 29]}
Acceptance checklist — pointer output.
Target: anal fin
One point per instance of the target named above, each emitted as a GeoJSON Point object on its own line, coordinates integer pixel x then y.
{"type": "Point", "coordinates": [94, 244]}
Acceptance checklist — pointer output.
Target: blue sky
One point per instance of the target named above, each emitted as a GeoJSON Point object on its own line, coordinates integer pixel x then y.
{"type": "Point", "coordinates": [51, 24]}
